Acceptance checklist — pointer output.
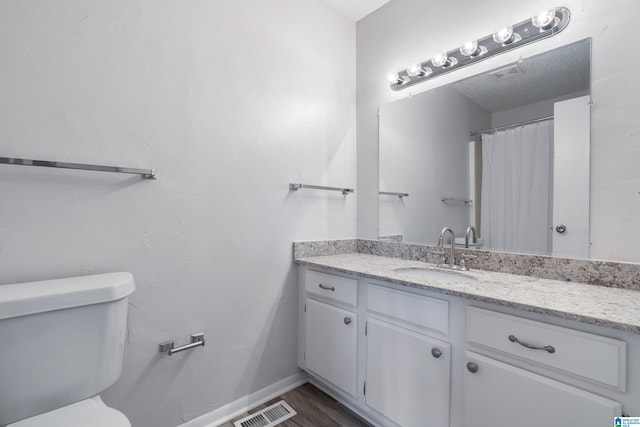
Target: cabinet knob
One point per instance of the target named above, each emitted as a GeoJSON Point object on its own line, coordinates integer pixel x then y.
{"type": "Point", "coordinates": [472, 367]}
{"type": "Point", "coordinates": [561, 228]}
{"type": "Point", "coordinates": [347, 320]}
{"type": "Point", "coordinates": [436, 353]}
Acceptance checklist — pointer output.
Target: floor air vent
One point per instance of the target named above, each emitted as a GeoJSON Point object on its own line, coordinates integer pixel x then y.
{"type": "Point", "coordinates": [268, 417]}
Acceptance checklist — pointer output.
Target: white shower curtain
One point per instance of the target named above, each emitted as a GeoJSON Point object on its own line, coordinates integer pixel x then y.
{"type": "Point", "coordinates": [516, 188]}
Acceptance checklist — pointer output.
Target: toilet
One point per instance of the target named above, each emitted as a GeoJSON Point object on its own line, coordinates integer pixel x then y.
{"type": "Point", "coordinates": [61, 345]}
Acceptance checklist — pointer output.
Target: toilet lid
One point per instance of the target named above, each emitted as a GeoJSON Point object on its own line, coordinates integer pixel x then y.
{"type": "Point", "coordinates": [90, 412]}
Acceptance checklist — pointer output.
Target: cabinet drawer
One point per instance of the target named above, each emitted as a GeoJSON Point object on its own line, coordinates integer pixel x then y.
{"type": "Point", "coordinates": [334, 287]}
{"type": "Point", "coordinates": [592, 357]}
{"type": "Point", "coordinates": [419, 310]}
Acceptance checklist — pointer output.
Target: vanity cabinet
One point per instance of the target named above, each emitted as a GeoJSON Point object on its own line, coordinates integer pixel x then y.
{"type": "Point", "coordinates": [407, 375]}
{"type": "Point", "coordinates": [407, 371]}
{"type": "Point", "coordinates": [403, 357]}
{"type": "Point", "coordinates": [498, 393]}
{"type": "Point", "coordinates": [331, 331]}
{"type": "Point", "coordinates": [382, 349]}
{"type": "Point", "coordinates": [331, 344]}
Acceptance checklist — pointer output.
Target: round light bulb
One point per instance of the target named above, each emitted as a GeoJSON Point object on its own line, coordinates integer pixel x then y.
{"type": "Point", "coordinates": [545, 19]}
{"type": "Point", "coordinates": [440, 59]}
{"type": "Point", "coordinates": [504, 35]}
{"type": "Point", "coordinates": [470, 48]}
{"type": "Point", "coordinates": [397, 79]}
{"type": "Point", "coordinates": [415, 70]}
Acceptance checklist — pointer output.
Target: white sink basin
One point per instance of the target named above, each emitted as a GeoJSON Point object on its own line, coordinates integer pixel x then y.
{"type": "Point", "coordinates": [435, 274]}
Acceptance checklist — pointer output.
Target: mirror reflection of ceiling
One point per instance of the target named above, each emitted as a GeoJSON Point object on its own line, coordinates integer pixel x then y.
{"type": "Point", "coordinates": [527, 82]}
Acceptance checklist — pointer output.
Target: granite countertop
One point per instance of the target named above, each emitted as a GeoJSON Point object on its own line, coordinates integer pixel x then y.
{"type": "Point", "coordinates": [598, 305]}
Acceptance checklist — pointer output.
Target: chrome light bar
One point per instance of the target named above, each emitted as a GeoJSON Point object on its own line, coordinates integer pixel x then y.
{"type": "Point", "coordinates": [546, 24]}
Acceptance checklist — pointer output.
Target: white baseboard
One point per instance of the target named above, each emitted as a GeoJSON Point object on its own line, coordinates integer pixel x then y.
{"type": "Point", "coordinates": [247, 403]}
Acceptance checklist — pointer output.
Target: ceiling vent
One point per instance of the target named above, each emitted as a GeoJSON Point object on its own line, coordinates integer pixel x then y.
{"type": "Point", "coordinates": [268, 417]}
{"type": "Point", "coordinates": [506, 72]}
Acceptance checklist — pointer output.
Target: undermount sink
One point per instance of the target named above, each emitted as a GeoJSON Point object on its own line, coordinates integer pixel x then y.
{"type": "Point", "coordinates": [435, 274]}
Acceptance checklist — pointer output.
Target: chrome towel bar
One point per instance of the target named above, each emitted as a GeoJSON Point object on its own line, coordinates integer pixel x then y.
{"type": "Point", "coordinates": [393, 193]}
{"type": "Point", "coordinates": [296, 187]}
{"type": "Point", "coordinates": [455, 200]}
{"type": "Point", "coordinates": [197, 340]}
{"type": "Point", "coordinates": [146, 173]}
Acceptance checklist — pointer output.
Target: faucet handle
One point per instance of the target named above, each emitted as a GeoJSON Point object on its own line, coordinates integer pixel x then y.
{"type": "Point", "coordinates": [438, 255]}
{"type": "Point", "coordinates": [463, 258]}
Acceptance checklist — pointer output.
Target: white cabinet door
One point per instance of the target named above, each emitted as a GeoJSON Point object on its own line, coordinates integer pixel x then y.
{"type": "Point", "coordinates": [501, 395]}
{"type": "Point", "coordinates": [408, 375]}
{"type": "Point", "coordinates": [331, 344]}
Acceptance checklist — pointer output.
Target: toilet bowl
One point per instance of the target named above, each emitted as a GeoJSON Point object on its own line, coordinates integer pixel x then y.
{"type": "Point", "coordinates": [86, 413]}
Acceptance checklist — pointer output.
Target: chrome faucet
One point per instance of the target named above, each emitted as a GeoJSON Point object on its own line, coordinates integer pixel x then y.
{"type": "Point", "coordinates": [470, 230]}
{"type": "Point", "coordinates": [463, 256]}
{"type": "Point", "coordinates": [452, 258]}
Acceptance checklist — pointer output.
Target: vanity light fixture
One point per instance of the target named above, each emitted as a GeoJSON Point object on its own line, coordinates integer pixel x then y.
{"type": "Point", "coordinates": [545, 24]}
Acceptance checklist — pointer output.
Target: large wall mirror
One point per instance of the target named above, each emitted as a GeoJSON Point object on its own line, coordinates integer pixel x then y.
{"type": "Point", "coordinates": [506, 152]}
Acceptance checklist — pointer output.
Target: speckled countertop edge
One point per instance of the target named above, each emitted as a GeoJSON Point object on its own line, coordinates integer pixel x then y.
{"type": "Point", "coordinates": [611, 274]}
{"type": "Point", "coordinates": [608, 307]}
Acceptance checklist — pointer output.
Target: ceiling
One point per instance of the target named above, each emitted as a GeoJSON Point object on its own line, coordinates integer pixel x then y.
{"type": "Point", "coordinates": [355, 9]}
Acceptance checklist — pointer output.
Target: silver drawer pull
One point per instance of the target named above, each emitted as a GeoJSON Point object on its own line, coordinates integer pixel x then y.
{"type": "Point", "coordinates": [548, 348]}
{"type": "Point", "coordinates": [326, 288]}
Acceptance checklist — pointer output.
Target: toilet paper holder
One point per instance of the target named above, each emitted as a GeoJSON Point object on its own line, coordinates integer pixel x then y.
{"type": "Point", "coordinates": [197, 340]}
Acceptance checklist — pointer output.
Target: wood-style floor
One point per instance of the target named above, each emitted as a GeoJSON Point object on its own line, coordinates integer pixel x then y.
{"type": "Point", "coordinates": [314, 408]}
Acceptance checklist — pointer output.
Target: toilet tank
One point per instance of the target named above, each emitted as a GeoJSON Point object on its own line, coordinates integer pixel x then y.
{"type": "Point", "coordinates": [61, 341]}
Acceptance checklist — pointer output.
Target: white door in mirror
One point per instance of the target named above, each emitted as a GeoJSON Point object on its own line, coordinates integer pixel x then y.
{"type": "Point", "coordinates": [572, 122]}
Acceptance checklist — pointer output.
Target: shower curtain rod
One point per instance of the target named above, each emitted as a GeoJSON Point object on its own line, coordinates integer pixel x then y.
{"type": "Point", "coordinates": [515, 125]}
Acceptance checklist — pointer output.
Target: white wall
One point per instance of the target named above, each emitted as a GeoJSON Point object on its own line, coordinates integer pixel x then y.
{"type": "Point", "coordinates": [405, 31]}
{"type": "Point", "coordinates": [424, 151]}
{"type": "Point", "coordinates": [229, 101]}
